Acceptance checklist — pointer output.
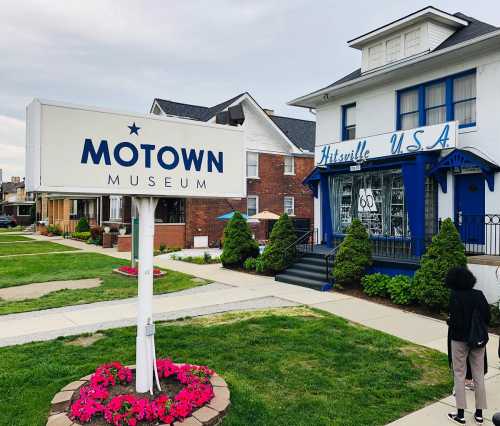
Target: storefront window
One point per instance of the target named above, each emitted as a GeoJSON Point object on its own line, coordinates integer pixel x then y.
{"type": "Point", "coordinates": [377, 199]}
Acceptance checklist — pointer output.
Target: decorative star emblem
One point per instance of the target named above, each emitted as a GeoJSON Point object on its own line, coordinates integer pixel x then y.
{"type": "Point", "coordinates": [134, 129]}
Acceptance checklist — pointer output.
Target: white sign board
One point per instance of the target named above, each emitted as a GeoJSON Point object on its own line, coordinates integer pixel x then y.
{"type": "Point", "coordinates": [74, 149]}
{"type": "Point", "coordinates": [366, 201]}
{"type": "Point", "coordinates": [428, 138]}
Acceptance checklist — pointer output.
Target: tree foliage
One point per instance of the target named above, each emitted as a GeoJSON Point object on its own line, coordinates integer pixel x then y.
{"type": "Point", "coordinates": [353, 256]}
{"type": "Point", "coordinates": [238, 242]}
{"type": "Point", "coordinates": [82, 225]}
{"type": "Point", "coordinates": [445, 252]}
{"type": "Point", "coordinates": [279, 254]}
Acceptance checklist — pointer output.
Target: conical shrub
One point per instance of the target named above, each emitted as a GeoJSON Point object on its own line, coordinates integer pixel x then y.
{"type": "Point", "coordinates": [238, 242]}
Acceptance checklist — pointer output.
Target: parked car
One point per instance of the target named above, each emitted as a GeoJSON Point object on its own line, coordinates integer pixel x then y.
{"type": "Point", "coordinates": [7, 222]}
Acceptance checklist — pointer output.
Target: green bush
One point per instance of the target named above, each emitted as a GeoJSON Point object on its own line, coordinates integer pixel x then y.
{"type": "Point", "coordinates": [275, 257]}
{"type": "Point", "coordinates": [83, 236]}
{"type": "Point", "coordinates": [376, 284]}
{"type": "Point", "coordinates": [250, 264]}
{"type": "Point", "coordinates": [353, 256]}
{"type": "Point", "coordinates": [54, 229]}
{"type": "Point", "coordinates": [238, 242]}
{"type": "Point", "coordinates": [259, 265]}
{"type": "Point", "coordinates": [400, 290]}
{"type": "Point", "coordinates": [82, 225]}
{"type": "Point", "coordinates": [445, 252]}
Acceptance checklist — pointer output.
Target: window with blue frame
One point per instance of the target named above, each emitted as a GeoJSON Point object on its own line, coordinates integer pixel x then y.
{"type": "Point", "coordinates": [446, 99]}
{"type": "Point", "coordinates": [348, 122]}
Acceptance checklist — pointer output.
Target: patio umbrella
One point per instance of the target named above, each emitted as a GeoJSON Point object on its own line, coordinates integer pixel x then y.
{"type": "Point", "coordinates": [229, 216]}
{"type": "Point", "coordinates": [265, 215]}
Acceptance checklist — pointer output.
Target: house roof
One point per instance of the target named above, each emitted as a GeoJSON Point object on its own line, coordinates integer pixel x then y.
{"type": "Point", "coordinates": [301, 133]}
{"type": "Point", "coordinates": [475, 29]}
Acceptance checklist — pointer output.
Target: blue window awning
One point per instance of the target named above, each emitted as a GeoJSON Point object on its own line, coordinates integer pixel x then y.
{"type": "Point", "coordinates": [460, 159]}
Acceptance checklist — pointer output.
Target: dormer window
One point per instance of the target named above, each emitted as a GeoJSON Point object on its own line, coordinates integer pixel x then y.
{"type": "Point", "coordinates": [412, 42]}
{"type": "Point", "coordinates": [393, 49]}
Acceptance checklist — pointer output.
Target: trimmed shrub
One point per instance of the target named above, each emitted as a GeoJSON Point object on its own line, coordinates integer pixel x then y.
{"type": "Point", "coordinates": [238, 242]}
{"type": "Point", "coordinates": [400, 290]}
{"type": "Point", "coordinates": [54, 230]}
{"type": "Point", "coordinates": [353, 256]}
{"type": "Point", "coordinates": [376, 284]}
{"type": "Point", "coordinates": [275, 257]}
{"type": "Point", "coordinates": [445, 252]}
{"type": "Point", "coordinates": [250, 264]}
{"type": "Point", "coordinates": [82, 236]}
{"type": "Point", "coordinates": [82, 225]}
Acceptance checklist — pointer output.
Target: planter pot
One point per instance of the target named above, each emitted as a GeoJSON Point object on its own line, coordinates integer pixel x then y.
{"type": "Point", "coordinates": [107, 229]}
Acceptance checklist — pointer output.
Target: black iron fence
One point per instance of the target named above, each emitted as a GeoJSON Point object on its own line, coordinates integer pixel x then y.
{"type": "Point", "coordinates": [401, 248]}
{"type": "Point", "coordinates": [480, 233]}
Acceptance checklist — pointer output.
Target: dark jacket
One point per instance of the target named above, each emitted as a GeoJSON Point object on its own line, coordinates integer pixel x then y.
{"type": "Point", "coordinates": [462, 305]}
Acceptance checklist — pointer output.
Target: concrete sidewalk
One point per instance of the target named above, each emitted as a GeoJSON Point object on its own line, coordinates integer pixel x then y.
{"type": "Point", "coordinates": [237, 290]}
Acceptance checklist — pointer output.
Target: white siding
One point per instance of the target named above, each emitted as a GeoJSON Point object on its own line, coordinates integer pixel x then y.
{"type": "Point", "coordinates": [438, 33]}
{"type": "Point", "coordinates": [260, 135]}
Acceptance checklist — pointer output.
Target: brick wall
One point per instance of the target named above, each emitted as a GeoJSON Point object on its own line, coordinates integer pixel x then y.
{"type": "Point", "coordinates": [271, 189]}
{"type": "Point", "coordinates": [172, 235]}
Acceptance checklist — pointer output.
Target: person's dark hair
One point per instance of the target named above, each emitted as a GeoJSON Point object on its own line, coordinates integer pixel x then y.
{"type": "Point", "coordinates": [460, 278]}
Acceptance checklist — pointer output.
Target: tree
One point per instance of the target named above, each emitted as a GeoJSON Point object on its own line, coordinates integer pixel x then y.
{"type": "Point", "coordinates": [276, 257]}
{"type": "Point", "coordinates": [353, 256]}
{"type": "Point", "coordinates": [445, 252]}
{"type": "Point", "coordinates": [238, 242]}
{"type": "Point", "coordinates": [82, 225]}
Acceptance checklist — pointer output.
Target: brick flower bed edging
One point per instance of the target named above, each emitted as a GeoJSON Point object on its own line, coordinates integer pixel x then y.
{"type": "Point", "coordinates": [208, 415]}
{"type": "Point", "coordinates": [117, 271]}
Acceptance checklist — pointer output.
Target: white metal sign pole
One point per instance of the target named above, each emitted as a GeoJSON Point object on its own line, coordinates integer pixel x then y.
{"type": "Point", "coordinates": [145, 356]}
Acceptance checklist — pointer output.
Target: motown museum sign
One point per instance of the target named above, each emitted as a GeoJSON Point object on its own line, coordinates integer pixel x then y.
{"type": "Point", "coordinates": [76, 149]}
{"type": "Point", "coordinates": [73, 149]}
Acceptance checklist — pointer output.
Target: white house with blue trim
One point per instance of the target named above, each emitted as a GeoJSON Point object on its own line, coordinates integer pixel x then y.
{"type": "Point", "coordinates": [412, 137]}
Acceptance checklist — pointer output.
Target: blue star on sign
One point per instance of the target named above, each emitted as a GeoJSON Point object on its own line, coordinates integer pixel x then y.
{"type": "Point", "coordinates": [134, 129]}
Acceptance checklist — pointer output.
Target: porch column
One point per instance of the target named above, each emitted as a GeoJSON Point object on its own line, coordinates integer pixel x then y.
{"type": "Point", "coordinates": [326, 211]}
{"type": "Point", "coordinates": [414, 187]}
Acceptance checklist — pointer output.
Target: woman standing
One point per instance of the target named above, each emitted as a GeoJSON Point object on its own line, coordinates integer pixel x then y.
{"type": "Point", "coordinates": [468, 310]}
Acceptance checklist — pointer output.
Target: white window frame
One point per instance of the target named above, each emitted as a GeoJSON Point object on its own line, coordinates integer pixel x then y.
{"type": "Point", "coordinates": [115, 216]}
{"type": "Point", "coordinates": [292, 159]}
{"type": "Point", "coordinates": [285, 198]}
{"type": "Point", "coordinates": [256, 198]}
{"type": "Point", "coordinates": [257, 164]}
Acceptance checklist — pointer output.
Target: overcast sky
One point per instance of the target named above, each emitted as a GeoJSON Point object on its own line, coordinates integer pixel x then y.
{"type": "Point", "coordinates": [122, 54]}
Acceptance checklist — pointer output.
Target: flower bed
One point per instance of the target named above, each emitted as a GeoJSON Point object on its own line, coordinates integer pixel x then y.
{"type": "Point", "coordinates": [108, 397]}
{"type": "Point", "coordinates": [128, 271]}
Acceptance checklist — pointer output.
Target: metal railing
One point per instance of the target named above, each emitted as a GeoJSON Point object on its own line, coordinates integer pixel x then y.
{"type": "Point", "coordinates": [302, 245]}
{"type": "Point", "coordinates": [480, 234]}
{"type": "Point", "coordinates": [401, 248]}
{"type": "Point", "coordinates": [329, 257]}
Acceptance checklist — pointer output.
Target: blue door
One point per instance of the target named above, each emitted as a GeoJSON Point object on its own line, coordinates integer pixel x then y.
{"type": "Point", "coordinates": [469, 207]}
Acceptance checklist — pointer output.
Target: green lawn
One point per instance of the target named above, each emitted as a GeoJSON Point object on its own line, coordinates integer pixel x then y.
{"type": "Point", "coordinates": [20, 270]}
{"type": "Point", "coordinates": [32, 248]}
{"type": "Point", "coordinates": [15, 229]}
{"type": "Point", "coordinates": [13, 238]}
{"type": "Point", "coordinates": [284, 367]}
